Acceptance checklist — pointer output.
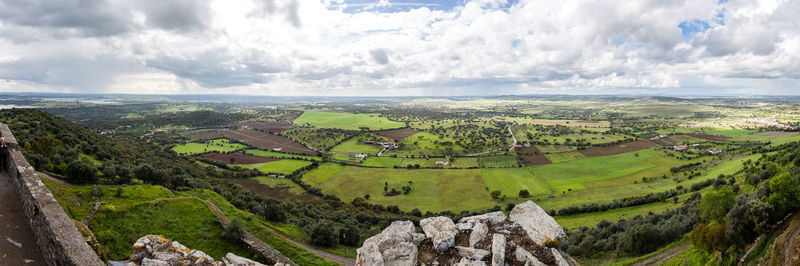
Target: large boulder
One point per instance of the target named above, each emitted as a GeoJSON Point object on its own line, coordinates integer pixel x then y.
{"type": "Point", "coordinates": [490, 218]}
{"type": "Point", "coordinates": [441, 230]}
{"type": "Point", "coordinates": [153, 250]}
{"type": "Point", "coordinates": [479, 232]}
{"type": "Point", "coordinates": [536, 222]}
{"type": "Point", "coordinates": [394, 246]}
{"type": "Point", "coordinates": [498, 249]}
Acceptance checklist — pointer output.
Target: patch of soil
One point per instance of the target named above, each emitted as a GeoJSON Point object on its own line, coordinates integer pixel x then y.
{"type": "Point", "coordinates": [619, 148]}
{"type": "Point", "coordinates": [279, 191]}
{"type": "Point", "coordinates": [267, 141]}
{"type": "Point", "coordinates": [239, 158]}
{"type": "Point", "coordinates": [206, 135]}
{"type": "Point", "coordinates": [531, 155]}
{"type": "Point", "coordinates": [709, 136]}
{"type": "Point", "coordinates": [397, 134]}
{"type": "Point", "coordinates": [290, 116]}
{"type": "Point", "coordinates": [275, 127]}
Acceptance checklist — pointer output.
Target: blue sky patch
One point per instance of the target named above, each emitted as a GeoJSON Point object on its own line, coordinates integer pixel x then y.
{"type": "Point", "coordinates": [690, 28]}
{"type": "Point", "coordinates": [355, 6]}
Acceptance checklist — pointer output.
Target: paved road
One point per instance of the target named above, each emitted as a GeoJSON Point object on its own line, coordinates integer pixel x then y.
{"type": "Point", "coordinates": [15, 230]}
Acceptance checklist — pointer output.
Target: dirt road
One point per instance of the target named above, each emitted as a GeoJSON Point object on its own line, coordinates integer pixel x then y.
{"type": "Point", "coordinates": [665, 255]}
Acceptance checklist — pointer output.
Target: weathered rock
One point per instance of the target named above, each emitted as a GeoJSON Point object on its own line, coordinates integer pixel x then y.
{"type": "Point", "coordinates": [233, 260]}
{"type": "Point", "coordinates": [560, 261]}
{"type": "Point", "coordinates": [536, 222]}
{"type": "Point", "coordinates": [479, 232]}
{"type": "Point", "coordinates": [394, 246]}
{"type": "Point", "coordinates": [441, 230]}
{"type": "Point", "coordinates": [158, 250]}
{"type": "Point", "coordinates": [468, 262]}
{"type": "Point", "coordinates": [369, 254]}
{"type": "Point", "coordinates": [498, 249]}
{"type": "Point", "coordinates": [154, 262]}
{"type": "Point", "coordinates": [402, 254]}
{"type": "Point", "coordinates": [472, 253]}
{"type": "Point", "coordinates": [526, 257]}
{"type": "Point", "coordinates": [490, 218]}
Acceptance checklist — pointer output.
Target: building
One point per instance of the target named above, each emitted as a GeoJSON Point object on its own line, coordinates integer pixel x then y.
{"type": "Point", "coordinates": [358, 155]}
{"type": "Point", "coordinates": [681, 147]}
{"type": "Point", "coordinates": [443, 163]}
{"type": "Point", "coordinates": [715, 151]}
{"type": "Point", "coordinates": [277, 149]}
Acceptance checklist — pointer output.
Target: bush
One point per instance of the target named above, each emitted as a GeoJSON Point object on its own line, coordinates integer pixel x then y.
{"type": "Point", "coordinates": [322, 233]}
{"type": "Point", "coordinates": [524, 193]}
{"type": "Point", "coordinates": [234, 231]}
{"type": "Point", "coordinates": [80, 172]}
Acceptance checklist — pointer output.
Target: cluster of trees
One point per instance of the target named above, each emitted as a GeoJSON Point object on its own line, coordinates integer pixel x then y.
{"type": "Point", "coordinates": [732, 220]}
{"type": "Point", "coordinates": [626, 202]}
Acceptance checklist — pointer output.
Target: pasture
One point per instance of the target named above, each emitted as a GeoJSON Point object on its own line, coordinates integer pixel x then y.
{"type": "Point", "coordinates": [346, 121]}
{"type": "Point", "coordinates": [564, 156]}
{"type": "Point", "coordinates": [431, 189]}
{"type": "Point", "coordinates": [357, 145]}
{"type": "Point", "coordinates": [506, 161]}
{"type": "Point", "coordinates": [238, 158]}
{"type": "Point", "coordinates": [272, 154]}
{"type": "Point", "coordinates": [285, 166]}
{"type": "Point", "coordinates": [509, 181]}
{"type": "Point", "coordinates": [216, 145]}
{"type": "Point", "coordinates": [424, 143]}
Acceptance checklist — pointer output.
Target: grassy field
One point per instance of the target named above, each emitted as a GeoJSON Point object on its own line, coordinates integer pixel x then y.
{"type": "Point", "coordinates": [355, 145]}
{"type": "Point", "coordinates": [290, 185]}
{"type": "Point", "coordinates": [346, 121]}
{"type": "Point", "coordinates": [216, 145]}
{"type": "Point", "coordinates": [564, 156]}
{"type": "Point", "coordinates": [775, 140]}
{"type": "Point", "coordinates": [285, 166]}
{"type": "Point", "coordinates": [511, 180]}
{"type": "Point", "coordinates": [272, 154]}
{"type": "Point", "coordinates": [432, 190]}
{"type": "Point", "coordinates": [554, 148]}
{"type": "Point", "coordinates": [454, 162]}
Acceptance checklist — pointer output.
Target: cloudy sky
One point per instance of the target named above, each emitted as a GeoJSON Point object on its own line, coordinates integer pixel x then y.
{"type": "Point", "coordinates": [401, 47]}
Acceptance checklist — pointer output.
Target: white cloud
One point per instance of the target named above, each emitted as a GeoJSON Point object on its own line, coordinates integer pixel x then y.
{"type": "Point", "coordinates": [285, 47]}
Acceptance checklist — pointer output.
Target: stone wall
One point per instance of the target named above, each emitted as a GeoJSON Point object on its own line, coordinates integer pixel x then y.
{"type": "Point", "coordinates": [56, 235]}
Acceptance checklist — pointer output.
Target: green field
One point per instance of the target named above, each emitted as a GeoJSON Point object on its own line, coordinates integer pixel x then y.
{"type": "Point", "coordinates": [554, 148]}
{"type": "Point", "coordinates": [346, 121]}
{"type": "Point", "coordinates": [432, 190]}
{"type": "Point", "coordinates": [216, 145]}
{"type": "Point", "coordinates": [285, 166]}
{"type": "Point", "coordinates": [355, 145]}
{"type": "Point", "coordinates": [272, 154]}
{"type": "Point", "coordinates": [511, 180]}
{"type": "Point", "coordinates": [280, 183]}
{"type": "Point", "coordinates": [383, 161]}
{"type": "Point", "coordinates": [454, 162]}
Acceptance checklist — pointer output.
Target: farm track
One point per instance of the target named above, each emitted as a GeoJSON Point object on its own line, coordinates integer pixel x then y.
{"type": "Point", "coordinates": [327, 255]}
{"type": "Point", "coordinates": [665, 255]}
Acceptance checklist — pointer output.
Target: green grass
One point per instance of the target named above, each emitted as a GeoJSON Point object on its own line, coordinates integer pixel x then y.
{"type": "Point", "coordinates": [285, 166]}
{"type": "Point", "coordinates": [432, 189]}
{"type": "Point", "coordinates": [258, 228]}
{"type": "Point", "coordinates": [346, 120]}
{"type": "Point", "coordinates": [216, 145]}
{"type": "Point", "coordinates": [564, 156]}
{"type": "Point", "coordinates": [322, 173]}
{"type": "Point", "coordinates": [498, 162]}
{"type": "Point", "coordinates": [272, 154]}
{"type": "Point", "coordinates": [290, 185]}
{"type": "Point", "coordinates": [186, 220]}
{"type": "Point", "coordinates": [355, 145]}
{"type": "Point", "coordinates": [693, 256]}
{"type": "Point", "coordinates": [591, 219]}
{"type": "Point", "coordinates": [511, 180]}
{"type": "Point", "coordinates": [775, 140]}
{"type": "Point", "coordinates": [554, 148]}
{"type": "Point", "coordinates": [728, 132]}
{"type": "Point", "coordinates": [384, 161]}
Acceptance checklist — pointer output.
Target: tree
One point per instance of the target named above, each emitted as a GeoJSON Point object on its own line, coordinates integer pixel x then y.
{"type": "Point", "coordinates": [496, 194]}
{"type": "Point", "coordinates": [349, 234]}
{"type": "Point", "coordinates": [322, 233]}
{"type": "Point", "coordinates": [46, 146]}
{"type": "Point", "coordinates": [524, 193]}
{"type": "Point", "coordinates": [234, 231]}
{"type": "Point", "coordinates": [96, 191]}
{"type": "Point", "coordinates": [748, 218]}
{"type": "Point", "coordinates": [80, 172]}
{"type": "Point", "coordinates": [145, 172]}
{"type": "Point", "coordinates": [785, 195]}
{"type": "Point", "coordinates": [716, 203]}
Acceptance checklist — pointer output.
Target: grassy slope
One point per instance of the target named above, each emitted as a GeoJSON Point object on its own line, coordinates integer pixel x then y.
{"type": "Point", "coordinates": [511, 180]}
{"type": "Point", "coordinates": [346, 120]}
{"type": "Point", "coordinates": [354, 145]}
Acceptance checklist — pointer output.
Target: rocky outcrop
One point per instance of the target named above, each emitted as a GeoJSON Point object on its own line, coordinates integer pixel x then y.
{"type": "Point", "coordinates": [158, 250]}
{"type": "Point", "coordinates": [488, 239]}
{"type": "Point", "coordinates": [536, 222]}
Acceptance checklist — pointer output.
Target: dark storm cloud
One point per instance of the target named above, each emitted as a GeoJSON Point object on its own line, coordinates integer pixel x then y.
{"type": "Point", "coordinates": [86, 17]}
{"type": "Point", "coordinates": [177, 15]}
{"type": "Point", "coordinates": [90, 74]}
{"type": "Point", "coordinates": [217, 69]}
{"type": "Point", "coordinates": [380, 56]}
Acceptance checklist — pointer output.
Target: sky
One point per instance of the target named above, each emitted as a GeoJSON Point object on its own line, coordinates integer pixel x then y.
{"type": "Point", "coordinates": [401, 47]}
